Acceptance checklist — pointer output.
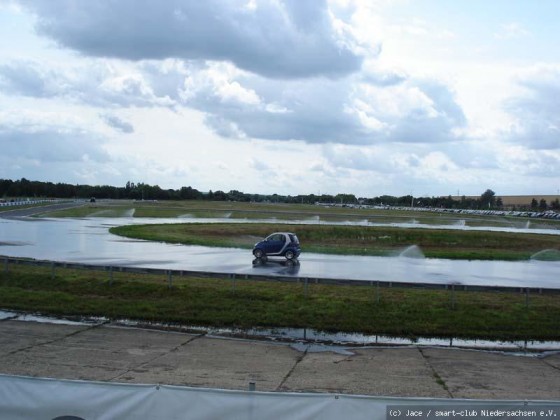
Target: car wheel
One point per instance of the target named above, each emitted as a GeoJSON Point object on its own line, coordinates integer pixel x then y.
{"type": "Point", "coordinates": [289, 255]}
{"type": "Point", "coordinates": [258, 253]}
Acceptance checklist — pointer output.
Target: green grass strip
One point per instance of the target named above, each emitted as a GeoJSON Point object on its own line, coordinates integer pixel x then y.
{"type": "Point", "coordinates": [216, 302]}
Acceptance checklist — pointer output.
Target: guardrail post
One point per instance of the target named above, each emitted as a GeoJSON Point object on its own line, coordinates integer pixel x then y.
{"type": "Point", "coordinates": [110, 275]}
{"type": "Point", "coordinates": [169, 279]}
{"type": "Point", "coordinates": [452, 296]}
{"type": "Point", "coordinates": [527, 297]}
{"type": "Point", "coordinates": [232, 282]}
{"type": "Point", "coordinates": [305, 292]}
{"type": "Point", "coordinates": [377, 296]}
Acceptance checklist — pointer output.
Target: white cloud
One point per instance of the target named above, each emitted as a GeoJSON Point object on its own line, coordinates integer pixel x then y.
{"type": "Point", "coordinates": [349, 95]}
{"type": "Point", "coordinates": [28, 150]}
{"type": "Point", "coordinates": [512, 30]}
{"type": "Point", "coordinates": [117, 123]}
{"type": "Point", "coordinates": [259, 165]}
{"type": "Point", "coordinates": [536, 119]}
{"type": "Point", "coordinates": [519, 160]}
{"type": "Point", "coordinates": [348, 111]}
{"type": "Point", "coordinates": [99, 83]}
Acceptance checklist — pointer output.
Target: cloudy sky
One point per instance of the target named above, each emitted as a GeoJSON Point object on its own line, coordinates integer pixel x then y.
{"type": "Point", "coordinates": [370, 97]}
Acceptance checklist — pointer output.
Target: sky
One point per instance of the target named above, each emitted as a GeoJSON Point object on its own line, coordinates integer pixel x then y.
{"type": "Point", "coordinates": [367, 97]}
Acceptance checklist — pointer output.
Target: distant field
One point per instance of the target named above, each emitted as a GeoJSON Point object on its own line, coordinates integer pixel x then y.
{"type": "Point", "coordinates": [519, 200]}
{"type": "Point", "coordinates": [288, 212]}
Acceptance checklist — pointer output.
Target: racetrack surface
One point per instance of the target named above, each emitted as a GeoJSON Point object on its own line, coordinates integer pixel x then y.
{"type": "Point", "coordinates": [88, 241]}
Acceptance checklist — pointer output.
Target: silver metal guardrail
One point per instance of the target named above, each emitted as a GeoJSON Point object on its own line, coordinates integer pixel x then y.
{"type": "Point", "coordinates": [170, 274]}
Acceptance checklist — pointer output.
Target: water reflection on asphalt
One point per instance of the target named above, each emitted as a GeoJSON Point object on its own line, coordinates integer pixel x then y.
{"type": "Point", "coordinates": [89, 241]}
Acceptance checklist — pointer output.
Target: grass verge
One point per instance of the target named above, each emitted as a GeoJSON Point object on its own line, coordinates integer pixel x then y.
{"type": "Point", "coordinates": [215, 302]}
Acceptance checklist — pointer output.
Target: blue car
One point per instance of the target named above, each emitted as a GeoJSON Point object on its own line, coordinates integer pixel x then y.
{"type": "Point", "coordinates": [279, 244]}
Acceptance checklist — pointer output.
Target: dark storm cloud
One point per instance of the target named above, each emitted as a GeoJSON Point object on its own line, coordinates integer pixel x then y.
{"type": "Point", "coordinates": [279, 42]}
{"type": "Point", "coordinates": [291, 39]}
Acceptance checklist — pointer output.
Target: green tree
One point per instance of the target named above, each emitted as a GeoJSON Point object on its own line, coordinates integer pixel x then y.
{"type": "Point", "coordinates": [534, 204]}
{"type": "Point", "coordinates": [488, 199]}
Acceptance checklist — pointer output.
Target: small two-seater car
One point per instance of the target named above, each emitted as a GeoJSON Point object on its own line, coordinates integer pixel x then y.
{"type": "Point", "coordinates": [279, 244]}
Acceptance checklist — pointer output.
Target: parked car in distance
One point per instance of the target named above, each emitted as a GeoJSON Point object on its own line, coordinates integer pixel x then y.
{"type": "Point", "coordinates": [279, 244]}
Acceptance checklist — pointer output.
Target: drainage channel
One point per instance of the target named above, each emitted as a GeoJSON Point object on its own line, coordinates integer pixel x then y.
{"type": "Point", "coordinates": [301, 338]}
{"type": "Point", "coordinates": [305, 338]}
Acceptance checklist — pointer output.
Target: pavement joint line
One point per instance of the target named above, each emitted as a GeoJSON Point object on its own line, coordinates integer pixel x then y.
{"type": "Point", "coordinates": [346, 359]}
{"type": "Point", "coordinates": [435, 374]}
{"type": "Point", "coordinates": [165, 353]}
{"type": "Point", "coordinates": [90, 327]}
{"type": "Point", "coordinates": [549, 364]}
{"type": "Point", "coordinates": [297, 362]}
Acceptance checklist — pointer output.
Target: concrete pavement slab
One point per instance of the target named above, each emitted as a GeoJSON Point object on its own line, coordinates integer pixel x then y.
{"type": "Point", "coordinates": [553, 360]}
{"type": "Point", "coordinates": [478, 374]}
{"type": "Point", "coordinates": [220, 363]}
{"type": "Point", "coordinates": [383, 371]}
{"type": "Point", "coordinates": [18, 335]}
{"type": "Point", "coordinates": [98, 353]}
{"type": "Point", "coordinates": [116, 354]}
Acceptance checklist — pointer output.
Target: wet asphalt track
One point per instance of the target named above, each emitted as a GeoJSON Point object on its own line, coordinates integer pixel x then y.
{"type": "Point", "coordinates": [88, 241]}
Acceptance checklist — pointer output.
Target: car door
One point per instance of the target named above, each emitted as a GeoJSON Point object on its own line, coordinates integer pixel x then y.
{"type": "Point", "coordinates": [274, 243]}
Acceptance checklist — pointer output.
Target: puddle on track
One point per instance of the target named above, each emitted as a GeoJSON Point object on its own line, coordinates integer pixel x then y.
{"type": "Point", "coordinates": [304, 339]}
{"type": "Point", "coordinates": [87, 240]}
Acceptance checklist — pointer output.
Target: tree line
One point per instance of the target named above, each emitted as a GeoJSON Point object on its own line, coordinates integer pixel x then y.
{"type": "Point", "coordinates": [141, 191]}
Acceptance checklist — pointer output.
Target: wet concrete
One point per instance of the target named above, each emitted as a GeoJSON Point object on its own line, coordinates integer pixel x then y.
{"type": "Point", "coordinates": [30, 211]}
{"type": "Point", "coordinates": [115, 354]}
{"type": "Point", "coordinates": [385, 372]}
{"type": "Point", "coordinates": [470, 374]}
{"type": "Point", "coordinates": [88, 241]}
